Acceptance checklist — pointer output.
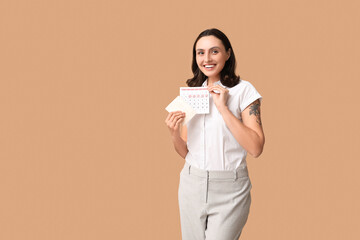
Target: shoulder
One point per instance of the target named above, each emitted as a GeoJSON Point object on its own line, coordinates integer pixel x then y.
{"type": "Point", "coordinates": [245, 93]}
{"type": "Point", "coordinates": [242, 87]}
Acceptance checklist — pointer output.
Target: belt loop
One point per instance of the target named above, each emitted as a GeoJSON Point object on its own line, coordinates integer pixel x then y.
{"type": "Point", "coordinates": [235, 175]}
{"type": "Point", "coordinates": [189, 169]}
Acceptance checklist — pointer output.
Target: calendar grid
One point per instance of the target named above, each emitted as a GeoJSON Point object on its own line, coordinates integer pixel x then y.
{"type": "Point", "coordinates": [197, 98]}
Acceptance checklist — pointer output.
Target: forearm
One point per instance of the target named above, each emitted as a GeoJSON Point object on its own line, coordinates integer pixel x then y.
{"type": "Point", "coordinates": [180, 145]}
{"type": "Point", "coordinates": [245, 136]}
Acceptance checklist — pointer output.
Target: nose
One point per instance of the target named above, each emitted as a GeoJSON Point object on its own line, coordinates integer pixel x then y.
{"type": "Point", "coordinates": [207, 57]}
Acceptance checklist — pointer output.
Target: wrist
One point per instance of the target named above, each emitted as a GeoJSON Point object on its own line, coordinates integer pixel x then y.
{"type": "Point", "coordinates": [223, 109]}
{"type": "Point", "coordinates": [175, 135]}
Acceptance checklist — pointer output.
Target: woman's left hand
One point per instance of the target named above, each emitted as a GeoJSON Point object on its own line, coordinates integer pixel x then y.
{"type": "Point", "coordinates": [220, 98]}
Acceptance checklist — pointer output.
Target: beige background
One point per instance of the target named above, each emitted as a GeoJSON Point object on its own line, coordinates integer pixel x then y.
{"type": "Point", "coordinates": [85, 152]}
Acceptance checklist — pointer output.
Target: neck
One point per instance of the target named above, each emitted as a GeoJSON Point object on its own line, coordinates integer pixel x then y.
{"type": "Point", "coordinates": [212, 80]}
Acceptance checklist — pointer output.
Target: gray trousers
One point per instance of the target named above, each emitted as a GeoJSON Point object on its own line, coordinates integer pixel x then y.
{"type": "Point", "coordinates": [214, 205]}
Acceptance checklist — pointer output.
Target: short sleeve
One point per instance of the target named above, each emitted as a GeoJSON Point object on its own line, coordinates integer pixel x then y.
{"type": "Point", "coordinates": [248, 96]}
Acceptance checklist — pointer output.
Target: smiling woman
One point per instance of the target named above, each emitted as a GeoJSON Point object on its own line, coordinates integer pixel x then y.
{"type": "Point", "coordinates": [211, 58]}
{"type": "Point", "coordinates": [213, 45]}
{"type": "Point", "coordinates": [214, 188]}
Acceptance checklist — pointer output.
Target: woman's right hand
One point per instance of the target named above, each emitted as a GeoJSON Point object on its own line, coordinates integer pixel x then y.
{"type": "Point", "coordinates": [173, 121]}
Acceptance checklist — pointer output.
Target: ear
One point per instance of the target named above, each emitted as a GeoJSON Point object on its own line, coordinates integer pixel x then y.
{"type": "Point", "coordinates": [228, 53]}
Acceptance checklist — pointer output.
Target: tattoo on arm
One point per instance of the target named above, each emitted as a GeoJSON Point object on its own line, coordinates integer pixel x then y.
{"type": "Point", "coordinates": [255, 109]}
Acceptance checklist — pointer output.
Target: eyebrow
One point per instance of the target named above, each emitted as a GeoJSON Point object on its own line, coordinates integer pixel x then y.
{"type": "Point", "coordinates": [210, 48]}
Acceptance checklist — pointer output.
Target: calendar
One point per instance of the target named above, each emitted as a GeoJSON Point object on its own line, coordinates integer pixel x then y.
{"type": "Point", "coordinates": [197, 98]}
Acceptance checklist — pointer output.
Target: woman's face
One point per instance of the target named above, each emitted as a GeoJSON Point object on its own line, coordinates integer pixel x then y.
{"type": "Point", "coordinates": [211, 56]}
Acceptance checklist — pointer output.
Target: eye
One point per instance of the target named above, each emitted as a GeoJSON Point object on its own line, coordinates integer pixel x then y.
{"type": "Point", "coordinates": [200, 53]}
{"type": "Point", "coordinates": [215, 51]}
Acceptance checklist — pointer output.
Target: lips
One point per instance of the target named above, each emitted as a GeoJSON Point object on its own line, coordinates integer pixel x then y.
{"type": "Point", "coordinates": [209, 66]}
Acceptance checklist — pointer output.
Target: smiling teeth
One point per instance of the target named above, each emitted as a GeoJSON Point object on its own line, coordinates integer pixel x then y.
{"type": "Point", "coordinates": [209, 66]}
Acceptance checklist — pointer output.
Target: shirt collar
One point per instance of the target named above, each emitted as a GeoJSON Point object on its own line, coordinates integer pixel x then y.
{"type": "Point", "coordinates": [218, 82]}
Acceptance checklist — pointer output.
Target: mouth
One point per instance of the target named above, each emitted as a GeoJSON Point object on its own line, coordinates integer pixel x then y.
{"type": "Point", "coordinates": [209, 66]}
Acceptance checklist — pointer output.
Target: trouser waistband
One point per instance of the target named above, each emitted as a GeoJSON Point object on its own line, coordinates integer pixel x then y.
{"type": "Point", "coordinates": [226, 174]}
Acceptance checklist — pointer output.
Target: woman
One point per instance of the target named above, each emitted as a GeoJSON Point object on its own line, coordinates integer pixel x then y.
{"type": "Point", "coordinates": [214, 188]}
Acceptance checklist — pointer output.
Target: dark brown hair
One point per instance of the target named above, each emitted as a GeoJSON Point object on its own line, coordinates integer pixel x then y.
{"type": "Point", "coordinates": [227, 75]}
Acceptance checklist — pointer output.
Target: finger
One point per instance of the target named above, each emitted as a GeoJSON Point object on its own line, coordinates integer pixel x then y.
{"type": "Point", "coordinates": [177, 112]}
{"type": "Point", "coordinates": [173, 124]}
{"type": "Point", "coordinates": [179, 121]}
{"type": "Point", "coordinates": [168, 116]}
{"type": "Point", "coordinates": [219, 91]}
{"type": "Point", "coordinates": [217, 86]}
{"type": "Point", "coordinates": [175, 116]}
{"type": "Point", "coordinates": [172, 117]}
{"type": "Point", "coordinates": [216, 89]}
{"type": "Point", "coordinates": [213, 91]}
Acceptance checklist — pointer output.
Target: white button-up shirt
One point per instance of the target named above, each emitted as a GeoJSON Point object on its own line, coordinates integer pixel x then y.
{"type": "Point", "coordinates": [210, 143]}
